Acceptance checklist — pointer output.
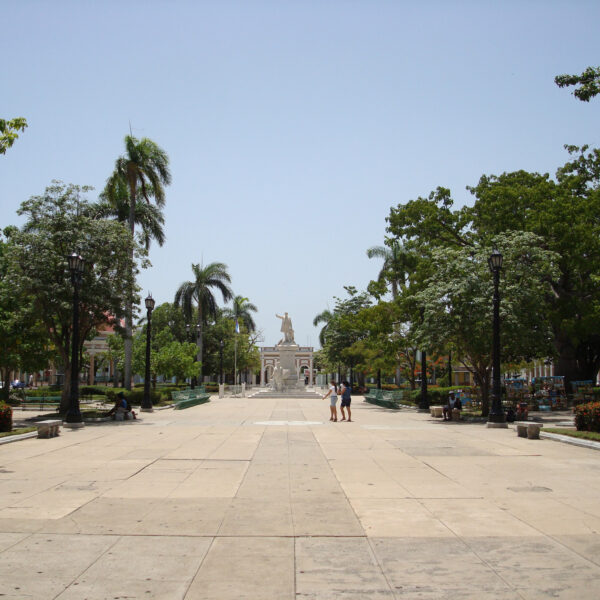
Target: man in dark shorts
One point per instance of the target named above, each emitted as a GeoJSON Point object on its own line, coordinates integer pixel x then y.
{"type": "Point", "coordinates": [345, 391]}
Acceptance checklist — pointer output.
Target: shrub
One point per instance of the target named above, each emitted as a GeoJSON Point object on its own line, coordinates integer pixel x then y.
{"type": "Point", "coordinates": [587, 417]}
{"type": "Point", "coordinates": [43, 391]}
{"type": "Point", "coordinates": [92, 390]}
{"type": "Point", "coordinates": [438, 395]}
{"type": "Point", "coordinates": [134, 397]}
{"type": "Point", "coordinates": [5, 417]}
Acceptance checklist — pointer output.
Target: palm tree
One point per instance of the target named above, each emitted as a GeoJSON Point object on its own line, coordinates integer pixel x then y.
{"type": "Point", "coordinates": [398, 263]}
{"type": "Point", "coordinates": [323, 317]}
{"type": "Point", "coordinates": [199, 292]}
{"type": "Point", "coordinates": [142, 172]}
{"type": "Point", "coordinates": [240, 311]}
{"type": "Point", "coordinates": [147, 216]}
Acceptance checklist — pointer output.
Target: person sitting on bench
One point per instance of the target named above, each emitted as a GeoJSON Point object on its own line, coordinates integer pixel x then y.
{"type": "Point", "coordinates": [121, 410]}
{"type": "Point", "coordinates": [452, 403]}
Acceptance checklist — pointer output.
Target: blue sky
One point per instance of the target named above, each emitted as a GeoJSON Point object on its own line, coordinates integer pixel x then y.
{"type": "Point", "coordinates": [292, 127]}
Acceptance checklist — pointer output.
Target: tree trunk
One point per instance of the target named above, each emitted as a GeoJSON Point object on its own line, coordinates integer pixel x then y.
{"type": "Point", "coordinates": [199, 342]}
{"type": "Point", "coordinates": [65, 398]}
{"type": "Point", "coordinates": [128, 341]}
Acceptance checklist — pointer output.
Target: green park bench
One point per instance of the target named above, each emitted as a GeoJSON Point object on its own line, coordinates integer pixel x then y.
{"type": "Point", "coordinates": [40, 402]}
{"type": "Point", "coordinates": [190, 400]}
{"type": "Point", "coordinates": [386, 399]}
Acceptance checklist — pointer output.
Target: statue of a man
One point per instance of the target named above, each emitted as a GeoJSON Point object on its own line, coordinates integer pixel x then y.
{"type": "Point", "coordinates": [286, 328]}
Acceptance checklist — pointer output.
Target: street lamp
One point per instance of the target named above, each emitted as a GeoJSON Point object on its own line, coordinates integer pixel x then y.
{"type": "Point", "coordinates": [73, 418]}
{"type": "Point", "coordinates": [146, 400]}
{"type": "Point", "coordinates": [221, 344]}
{"type": "Point", "coordinates": [496, 418]}
{"type": "Point", "coordinates": [188, 328]}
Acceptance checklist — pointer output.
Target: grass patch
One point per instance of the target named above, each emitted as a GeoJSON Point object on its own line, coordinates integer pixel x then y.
{"type": "Point", "coordinates": [584, 435]}
{"type": "Point", "coordinates": [19, 431]}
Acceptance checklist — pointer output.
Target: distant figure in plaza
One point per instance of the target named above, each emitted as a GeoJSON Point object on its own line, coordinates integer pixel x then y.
{"type": "Point", "coordinates": [286, 328]}
{"type": "Point", "coordinates": [346, 399]}
{"type": "Point", "coordinates": [121, 411]}
{"type": "Point", "coordinates": [453, 402]}
{"type": "Point", "coordinates": [333, 391]}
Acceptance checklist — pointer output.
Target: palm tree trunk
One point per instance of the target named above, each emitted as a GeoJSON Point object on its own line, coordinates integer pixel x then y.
{"type": "Point", "coordinates": [199, 343]}
{"type": "Point", "coordinates": [128, 341]}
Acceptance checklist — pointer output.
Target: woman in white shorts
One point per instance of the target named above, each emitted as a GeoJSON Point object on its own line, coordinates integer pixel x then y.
{"type": "Point", "coordinates": [332, 405]}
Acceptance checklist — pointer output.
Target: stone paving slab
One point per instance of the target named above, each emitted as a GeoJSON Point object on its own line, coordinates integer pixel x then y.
{"type": "Point", "coordinates": [265, 498]}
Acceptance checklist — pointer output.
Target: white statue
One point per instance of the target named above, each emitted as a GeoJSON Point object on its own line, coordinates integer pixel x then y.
{"type": "Point", "coordinates": [286, 328]}
{"type": "Point", "coordinates": [277, 383]}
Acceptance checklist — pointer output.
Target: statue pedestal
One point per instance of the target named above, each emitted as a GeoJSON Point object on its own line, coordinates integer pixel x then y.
{"type": "Point", "coordinates": [287, 361]}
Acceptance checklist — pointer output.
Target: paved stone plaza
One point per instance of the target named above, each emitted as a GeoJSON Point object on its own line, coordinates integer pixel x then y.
{"type": "Point", "coordinates": [242, 498]}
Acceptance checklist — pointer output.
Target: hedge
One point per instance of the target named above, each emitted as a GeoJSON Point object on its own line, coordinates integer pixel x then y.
{"type": "Point", "coordinates": [5, 417]}
{"type": "Point", "coordinates": [43, 391]}
{"type": "Point", "coordinates": [438, 395]}
{"type": "Point", "coordinates": [134, 397]}
{"type": "Point", "coordinates": [587, 417]}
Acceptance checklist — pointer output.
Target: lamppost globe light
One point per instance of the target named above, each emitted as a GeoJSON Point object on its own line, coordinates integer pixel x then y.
{"type": "Point", "coordinates": [76, 263]}
{"type": "Point", "coordinates": [495, 260]}
{"type": "Point", "coordinates": [150, 302]}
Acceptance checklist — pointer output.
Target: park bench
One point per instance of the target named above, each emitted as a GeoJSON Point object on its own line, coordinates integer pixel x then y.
{"type": "Point", "coordinates": [437, 411]}
{"type": "Point", "coordinates": [528, 429]}
{"type": "Point", "coordinates": [49, 428]}
{"type": "Point", "coordinates": [190, 400]}
{"type": "Point", "coordinates": [39, 402]}
{"type": "Point", "coordinates": [387, 399]}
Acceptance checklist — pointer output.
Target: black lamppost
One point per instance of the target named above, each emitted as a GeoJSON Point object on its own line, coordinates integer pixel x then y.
{"type": "Point", "coordinates": [496, 418]}
{"type": "Point", "coordinates": [221, 344]}
{"type": "Point", "coordinates": [73, 417]}
{"type": "Point", "coordinates": [147, 400]}
{"type": "Point", "coordinates": [188, 328]}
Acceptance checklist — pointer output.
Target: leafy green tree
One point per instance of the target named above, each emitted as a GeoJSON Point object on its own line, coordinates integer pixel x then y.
{"type": "Point", "coordinates": [168, 357]}
{"type": "Point", "coordinates": [141, 174]}
{"type": "Point", "coordinates": [197, 297]}
{"type": "Point", "coordinates": [24, 342]}
{"type": "Point", "coordinates": [457, 303]}
{"type": "Point", "coordinates": [57, 223]}
{"type": "Point", "coordinates": [564, 213]}
{"type": "Point", "coordinates": [345, 329]}
{"type": "Point", "coordinates": [588, 82]}
{"type": "Point", "coordinates": [8, 132]}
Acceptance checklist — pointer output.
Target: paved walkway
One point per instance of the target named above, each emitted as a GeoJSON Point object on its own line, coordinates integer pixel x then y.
{"type": "Point", "coordinates": [244, 499]}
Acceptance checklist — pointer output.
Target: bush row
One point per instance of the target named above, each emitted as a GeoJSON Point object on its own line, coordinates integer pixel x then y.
{"type": "Point", "coordinates": [587, 417]}
{"type": "Point", "coordinates": [438, 395]}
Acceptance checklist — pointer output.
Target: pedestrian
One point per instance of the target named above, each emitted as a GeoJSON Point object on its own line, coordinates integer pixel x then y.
{"type": "Point", "coordinates": [346, 399]}
{"type": "Point", "coordinates": [333, 392]}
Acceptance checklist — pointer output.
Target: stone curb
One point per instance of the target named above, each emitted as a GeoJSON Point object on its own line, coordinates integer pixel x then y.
{"type": "Point", "coordinates": [15, 438]}
{"type": "Point", "coordinates": [566, 439]}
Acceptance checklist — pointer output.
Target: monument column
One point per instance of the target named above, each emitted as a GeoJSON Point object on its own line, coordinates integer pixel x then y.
{"type": "Point", "coordinates": [310, 377]}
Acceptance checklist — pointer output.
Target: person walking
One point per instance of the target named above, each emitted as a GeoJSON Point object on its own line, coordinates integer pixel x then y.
{"type": "Point", "coordinates": [333, 392]}
{"type": "Point", "coordinates": [346, 399]}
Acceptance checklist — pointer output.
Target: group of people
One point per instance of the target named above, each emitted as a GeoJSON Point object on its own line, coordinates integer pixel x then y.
{"type": "Point", "coordinates": [122, 410]}
{"type": "Point", "coordinates": [344, 391]}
